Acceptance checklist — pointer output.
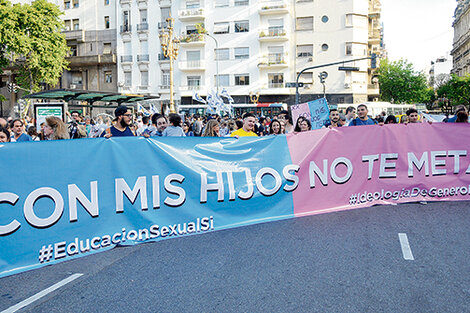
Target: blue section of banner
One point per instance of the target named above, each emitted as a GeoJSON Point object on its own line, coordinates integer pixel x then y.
{"type": "Point", "coordinates": [70, 169]}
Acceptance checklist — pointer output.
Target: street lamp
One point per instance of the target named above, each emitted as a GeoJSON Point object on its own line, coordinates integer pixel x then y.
{"type": "Point", "coordinates": [170, 46]}
{"type": "Point", "coordinates": [216, 62]}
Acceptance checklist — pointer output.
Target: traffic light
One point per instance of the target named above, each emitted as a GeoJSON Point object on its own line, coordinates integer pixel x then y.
{"type": "Point", "coordinates": [373, 60]}
{"type": "Point", "coordinates": [323, 76]}
{"type": "Point", "coordinates": [10, 87]}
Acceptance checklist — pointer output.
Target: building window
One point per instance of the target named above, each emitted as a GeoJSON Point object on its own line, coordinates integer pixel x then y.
{"type": "Point", "coordinates": [221, 3]}
{"type": "Point", "coordinates": [126, 21]}
{"type": "Point", "coordinates": [166, 78]}
{"type": "Point", "coordinates": [75, 4]}
{"type": "Point", "coordinates": [91, 47]}
{"type": "Point", "coordinates": [106, 2]}
{"type": "Point", "coordinates": [144, 78]}
{"type": "Point", "coordinates": [242, 53]}
{"type": "Point", "coordinates": [194, 82]}
{"type": "Point", "coordinates": [304, 23]}
{"type": "Point", "coordinates": [222, 80]}
{"type": "Point", "coordinates": [276, 80]}
{"type": "Point", "coordinates": [242, 26]}
{"type": "Point", "coordinates": [143, 16]}
{"type": "Point", "coordinates": [67, 4]}
{"type": "Point", "coordinates": [108, 77]}
{"type": "Point", "coordinates": [349, 20]}
{"type": "Point", "coordinates": [191, 29]}
{"type": "Point", "coordinates": [242, 79]}
{"type": "Point", "coordinates": [222, 54]}
{"type": "Point", "coordinates": [348, 48]}
{"type": "Point", "coordinates": [106, 22]}
{"type": "Point", "coordinates": [193, 4]}
{"type": "Point", "coordinates": [68, 25]}
{"type": "Point", "coordinates": [221, 28]}
{"type": "Point", "coordinates": [76, 24]}
{"type": "Point", "coordinates": [304, 51]}
{"type": "Point", "coordinates": [306, 78]}
{"type": "Point", "coordinates": [76, 78]}
{"type": "Point", "coordinates": [325, 19]}
{"type": "Point", "coordinates": [107, 48]}
{"type": "Point", "coordinates": [356, 49]}
{"type": "Point", "coordinates": [127, 79]}
{"type": "Point", "coordinates": [324, 47]}
{"type": "Point", "coordinates": [239, 3]}
{"type": "Point", "coordinates": [73, 51]}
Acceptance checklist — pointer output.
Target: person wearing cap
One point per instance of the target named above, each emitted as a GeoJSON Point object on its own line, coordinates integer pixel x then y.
{"type": "Point", "coordinates": [121, 127]}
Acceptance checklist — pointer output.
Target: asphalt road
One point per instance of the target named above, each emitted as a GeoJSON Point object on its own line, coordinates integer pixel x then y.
{"type": "Point", "coordinates": [340, 262]}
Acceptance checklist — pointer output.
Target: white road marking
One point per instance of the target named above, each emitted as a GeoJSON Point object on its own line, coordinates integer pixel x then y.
{"type": "Point", "coordinates": [41, 294]}
{"type": "Point", "coordinates": [405, 247]}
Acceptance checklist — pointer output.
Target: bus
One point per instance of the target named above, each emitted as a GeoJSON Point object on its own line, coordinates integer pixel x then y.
{"type": "Point", "coordinates": [375, 108]}
{"type": "Point", "coordinates": [259, 109]}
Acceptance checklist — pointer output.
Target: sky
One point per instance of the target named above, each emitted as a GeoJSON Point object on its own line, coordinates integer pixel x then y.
{"type": "Point", "coordinates": [418, 30]}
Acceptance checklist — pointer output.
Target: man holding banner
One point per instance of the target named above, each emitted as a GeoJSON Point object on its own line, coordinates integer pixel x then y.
{"type": "Point", "coordinates": [249, 121]}
{"type": "Point", "coordinates": [363, 119]}
{"type": "Point", "coordinates": [334, 120]}
{"type": "Point", "coordinates": [121, 127]}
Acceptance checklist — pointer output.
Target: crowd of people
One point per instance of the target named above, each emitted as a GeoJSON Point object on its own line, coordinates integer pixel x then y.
{"type": "Point", "coordinates": [174, 125]}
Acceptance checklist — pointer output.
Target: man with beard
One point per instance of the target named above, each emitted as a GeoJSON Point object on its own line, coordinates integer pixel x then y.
{"type": "Point", "coordinates": [334, 120]}
{"type": "Point", "coordinates": [121, 127]}
{"type": "Point", "coordinates": [363, 119]}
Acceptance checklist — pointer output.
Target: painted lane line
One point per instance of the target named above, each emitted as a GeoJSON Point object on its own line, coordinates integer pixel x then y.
{"type": "Point", "coordinates": [41, 294]}
{"type": "Point", "coordinates": [405, 247]}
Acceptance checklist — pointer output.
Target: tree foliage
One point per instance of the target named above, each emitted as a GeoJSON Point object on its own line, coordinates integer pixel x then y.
{"type": "Point", "coordinates": [457, 90]}
{"type": "Point", "coordinates": [32, 43]}
{"type": "Point", "coordinates": [400, 83]}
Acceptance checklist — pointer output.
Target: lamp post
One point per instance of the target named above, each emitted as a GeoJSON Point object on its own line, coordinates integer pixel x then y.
{"type": "Point", "coordinates": [170, 46]}
{"type": "Point", "coordinates": [216, 62]}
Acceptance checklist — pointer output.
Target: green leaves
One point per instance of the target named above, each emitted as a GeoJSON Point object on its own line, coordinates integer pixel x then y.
{"type": "Point", "coordinates": [400, 83]}
{"type": "Point", "coordinates": [31, 41]}
{"type": "Point", "coordinates": [457, 89]}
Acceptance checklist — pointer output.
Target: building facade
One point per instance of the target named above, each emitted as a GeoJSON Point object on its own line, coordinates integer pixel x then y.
{"type": "Point", "coordinates": [461, 46]}
{"type": "Point", "coordinates": [251, 47]}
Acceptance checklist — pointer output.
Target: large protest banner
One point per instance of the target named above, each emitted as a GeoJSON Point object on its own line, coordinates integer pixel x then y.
{"type": "Point", "coordinates": [65, 199]}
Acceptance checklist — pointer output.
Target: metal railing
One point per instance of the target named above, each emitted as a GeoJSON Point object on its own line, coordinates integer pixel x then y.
{"type": "Point", "coordinates": [143, 58]}
{"type": "Point", "coordinates": [142, 26]}
{"type": "Point", "coordinates": [126, 58]}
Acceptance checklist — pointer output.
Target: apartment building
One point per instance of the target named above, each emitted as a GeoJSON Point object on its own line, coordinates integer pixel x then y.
{"type": "Point", "coordinates": [461, 46]}
{"type": "Point", "coordinates": [250, 47]}
{"type": "Point", "coordinates": [90, 31]}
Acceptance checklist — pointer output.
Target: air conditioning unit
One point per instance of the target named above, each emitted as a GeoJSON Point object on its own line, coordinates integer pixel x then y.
{"type": "Point", "coordinates": [347, 86]}
{"type": "Point", "coordinates": [73, 86]}
{"type": "Point", "coordinates": [310, 60]}
{"type": "Point", "coordinates": [120, 84]}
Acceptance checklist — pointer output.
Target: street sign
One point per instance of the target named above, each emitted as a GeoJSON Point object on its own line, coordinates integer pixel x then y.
{"type": "Point", "coordinates": [348, 68]}
{"type": "Point", "coordinates": [292, 85]}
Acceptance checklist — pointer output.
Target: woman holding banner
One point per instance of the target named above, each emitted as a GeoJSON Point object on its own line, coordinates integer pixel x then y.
{"type": "Point", "coordinates": [55, 129]}
{"type": "Point", "coordinates": [212, 129]}
{"type": "Point", "coordinates": [302, 125]}
{"type": "Point", "coordinates": [275, 128]}
{"type": "Point", "coordinates": [4, 135]}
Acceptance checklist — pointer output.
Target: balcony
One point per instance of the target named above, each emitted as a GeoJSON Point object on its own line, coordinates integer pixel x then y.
{"type": "Point", "coordinates": [76, 61]}
{"type": "Point", "coordinates": [125, 29]}
{"type": "Point", "coordinates": [143, 27]}
{"type": "Point", "coordinates": [275, 85]}
{"type": "Point", "coordinates": [162, 25]}
{"type": "Point", "coordinates": [164, 3]}
{"type": "Point", "coordinates": [273, 60]}
{"type": "Point", "coordinates": [126, 58]}
{"type": "Point", "coordinates": [78, 35]}
{"type": "Point", "coordinates": [195, 65]}
{"type": "Point", "coordinates": [273, 7]}
{"type": "Point", "coordinates": [193, 40]}
{"type": "Point", "coordinates": [373, 89]}
{"type": "Point", "coordinates": [188, 15]}
{"type": "Point", "coordinates": [143, 58]}
{"type": "Point", "coordinates": [190, 88]}
{"type": "Point", "coordinates": [273, 34]}
{"type": "Point", "coordinates": [163, 58]}
{"type": "Point", "coordinates": [125, 1]}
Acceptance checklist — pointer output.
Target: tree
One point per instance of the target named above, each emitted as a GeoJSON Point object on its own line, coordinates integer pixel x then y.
{"type": "Point", "coordinates": [457, 90]}
{"type": "Point", "coordinates": [32, 43]}
{"type": "Point", "coordinates": [400, 83]}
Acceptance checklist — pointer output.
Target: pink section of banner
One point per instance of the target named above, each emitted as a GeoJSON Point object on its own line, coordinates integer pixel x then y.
{"type": "Point", "coordinates": [353, 167]}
